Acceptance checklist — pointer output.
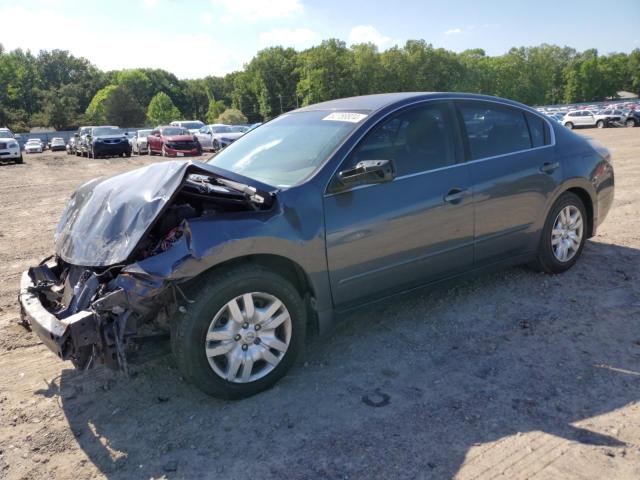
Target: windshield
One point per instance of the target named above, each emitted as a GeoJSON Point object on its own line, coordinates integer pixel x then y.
{"type": "Point", "coordinates": [239, 128]}
{"type": "Point", "coordinates": [221, 129]}
{"type": "Point", "coordinates": [5, 133]}
{"type": "Point", "coordinates": [192, 125]}
{"type": "Point", "coordinates": [34, 140]}
{"type": "Point", "coordinates": [144, 133]}
{"type": "Point", "coordinates": [288, 149]}
{"type": "Point", "coordinates": [105, 131]}
{"type": "Point", "coordinates": [174, 131]}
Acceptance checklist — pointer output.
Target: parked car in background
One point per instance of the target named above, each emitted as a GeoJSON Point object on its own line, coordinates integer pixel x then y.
{"type": "Point", "coordinates": [208, 135]}
{"type": "Point", "coordinates": [172, 141]}
{"type": "Point", "coordinates": [327, 208]}
{"type": "Point", "coordinates": [239, 128]}
{"type": "Point", "coordinates": [632, 118]}
{"type": "Point", "coordinates": [139, 141]}
{"type": "Point", "coordinates": [33, 145]}
{"type": "Point", "coordinates": [107, 141]}
{"type": "Point", "coordinates": [70, 145]}
{"type": "Point", "coordinates": [9, 146]}
{"type": "Point", "coordinates": [57, 144]}
{"type": "Point", "coordinates": [628, 118]}
{"type": "Point", "coordinates": [6, 133]}
{"type": "Point", "coordinates": [587, 118]}
{"type": "Point", "coordinates": [610, 117]}
{"type": "Point", "coordinates": [192, 125]}
{"type": "Point", "coordinates": [79, 143]}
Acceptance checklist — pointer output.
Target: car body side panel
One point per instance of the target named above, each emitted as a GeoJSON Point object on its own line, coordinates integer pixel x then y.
{"type": "Point", "coordinates": [510, 191]}
{"type": "Point", "coordinates": [392, 236]}
{"type": "Point", "coordinates": [296, 234]}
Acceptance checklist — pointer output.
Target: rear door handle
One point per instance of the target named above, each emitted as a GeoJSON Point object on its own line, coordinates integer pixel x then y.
{"type": "Point", "coordinates": [548, 167]}
{"type": "Point", "coordinates": [455, 196]}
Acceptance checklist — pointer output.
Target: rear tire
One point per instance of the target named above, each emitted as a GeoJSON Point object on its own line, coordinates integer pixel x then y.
{"type": "Point", "coordinates": [213, 293]}
{"type": "Point", "coordinates": [630, 123]}
{"type": "Point", "coordinates": [547, 259]}
{"type": "Point", "coordinates": [600, 124]}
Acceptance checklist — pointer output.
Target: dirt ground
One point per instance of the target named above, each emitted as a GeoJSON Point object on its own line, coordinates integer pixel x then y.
{"type": "Point", "coordinates": [511, 375]}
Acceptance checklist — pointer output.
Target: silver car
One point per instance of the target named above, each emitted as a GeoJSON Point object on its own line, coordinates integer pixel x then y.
{"type": "Point", "coordinates": [210, 136]}
{"type": "Point", "coordinates": [139, 142]}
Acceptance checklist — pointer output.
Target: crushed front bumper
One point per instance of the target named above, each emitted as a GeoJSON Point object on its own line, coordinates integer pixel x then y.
{"type": "Point", "coordinates": [63, 337]}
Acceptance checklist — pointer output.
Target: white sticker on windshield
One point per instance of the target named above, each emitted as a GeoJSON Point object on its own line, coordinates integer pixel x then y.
{"type": "Point", "coordinates": [345, 117]}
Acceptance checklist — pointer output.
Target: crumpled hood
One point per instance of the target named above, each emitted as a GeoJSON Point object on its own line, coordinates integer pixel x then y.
{"type": "Point", "coordinates": [106, 218]}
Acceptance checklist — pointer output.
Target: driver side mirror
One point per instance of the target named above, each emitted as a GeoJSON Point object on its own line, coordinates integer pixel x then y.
{"type": "Point", "coordinates": [368, 172]}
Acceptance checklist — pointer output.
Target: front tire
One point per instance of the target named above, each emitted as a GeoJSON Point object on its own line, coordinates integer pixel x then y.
{"type": "Point", "coordinates": [569, 125]}
{"type": "Point", "coordinates": [241, 334]}
{"type": "Point", "coordinates": [563, 235]}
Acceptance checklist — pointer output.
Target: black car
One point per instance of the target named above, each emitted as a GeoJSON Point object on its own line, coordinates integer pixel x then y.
{"type": "Point", "coordinates": [107, 142]}
{"type": "Point", "coordinates": [324, 209]}
{"type": "Point", "coordinates": [632, 118]}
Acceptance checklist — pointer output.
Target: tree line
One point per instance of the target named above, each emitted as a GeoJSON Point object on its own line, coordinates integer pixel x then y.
{"type": "Point", "coordinates": [56, 89]}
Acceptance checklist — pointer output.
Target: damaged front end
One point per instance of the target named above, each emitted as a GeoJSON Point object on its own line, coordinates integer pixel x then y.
{"type": "Point", "coordinates": [120, 246]}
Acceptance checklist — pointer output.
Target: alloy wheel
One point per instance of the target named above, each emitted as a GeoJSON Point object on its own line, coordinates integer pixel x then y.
{"type": "Point", "coordinates": [566, 236]}
{"type": "Point", "coordinates": [248, 337]}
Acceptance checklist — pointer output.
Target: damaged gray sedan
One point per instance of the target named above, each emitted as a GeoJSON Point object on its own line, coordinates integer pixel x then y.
{"type": "Point", "coordinates": [317, 212]}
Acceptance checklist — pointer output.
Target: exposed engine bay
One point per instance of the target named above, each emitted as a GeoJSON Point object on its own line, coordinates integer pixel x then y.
{"type": "Point", "coordinates": [90, 314]}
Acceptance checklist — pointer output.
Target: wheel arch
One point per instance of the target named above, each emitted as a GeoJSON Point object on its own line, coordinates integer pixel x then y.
{"type": "Point", "coordinates": [588, 205]}
{"type": "Point", "coordinates": [284, 266]}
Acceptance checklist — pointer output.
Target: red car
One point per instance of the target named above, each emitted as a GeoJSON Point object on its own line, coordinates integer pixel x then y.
{"type": "Point", "coordinates": [173, 142]}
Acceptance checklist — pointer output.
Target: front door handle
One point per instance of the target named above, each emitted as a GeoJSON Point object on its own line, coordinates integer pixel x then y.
{"type": "Point", "coordinates": [455, 196]}
{"type": "Point", "coordinates": [548, 167]}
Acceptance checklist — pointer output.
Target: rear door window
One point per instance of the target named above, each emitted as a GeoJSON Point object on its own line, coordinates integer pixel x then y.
{"type": "Point", "coordinates": [494, 129]}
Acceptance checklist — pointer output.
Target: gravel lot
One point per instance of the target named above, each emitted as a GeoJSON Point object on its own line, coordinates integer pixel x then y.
{"type": "Point", "coordinates": [511, 375]}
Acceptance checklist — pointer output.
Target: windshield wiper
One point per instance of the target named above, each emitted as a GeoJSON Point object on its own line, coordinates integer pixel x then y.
{"type": "Point", "coordinates": [251, 194]}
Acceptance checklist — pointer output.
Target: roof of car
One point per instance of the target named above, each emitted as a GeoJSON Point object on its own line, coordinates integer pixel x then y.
{"type": "Point", "coordinates": [380, 100]}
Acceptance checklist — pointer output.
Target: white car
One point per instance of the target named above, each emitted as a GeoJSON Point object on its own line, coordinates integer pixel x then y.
{"type": "Point", "coordinates": [217, 136]}
{"type": "Point", "coordinates": [587, 118]}
{"type": "Point", "coordinates": [139, 141]}
{"type": "Point", "coordinates": [33, 145]}
{"type": "Point", "coordinates": [193, 126]}
{"type": "Point", "coordinates": [9, 146]}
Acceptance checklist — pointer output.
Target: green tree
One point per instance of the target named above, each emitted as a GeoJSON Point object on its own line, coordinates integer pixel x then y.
{"type": "Point", "coordinates": [95, 111]}
{"type": "Point", "coordinates": [137, 83]}
{"type": "Point", "coordinates": [367, 68]}
{"type": "Point", "coordinates": [161, 110]}
{"type": "Point", "coordinates": [216, 108]}
{"type": "Point", "coordinates": [60, 108]}
{"type": "Point", "coordinates": [122, 108]}
{"type": "Point", "coordinates": [231, 116]}
{"type": "Point", "coordinates": [326, 72]}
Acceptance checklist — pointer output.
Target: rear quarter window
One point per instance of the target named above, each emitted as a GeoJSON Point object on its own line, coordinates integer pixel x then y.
{"type": "Point", "coordinates": [538, 129]}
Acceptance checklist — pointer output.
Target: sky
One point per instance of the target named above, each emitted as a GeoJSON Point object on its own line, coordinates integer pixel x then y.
{"type": "Point", "coordinates": [194, 38]}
